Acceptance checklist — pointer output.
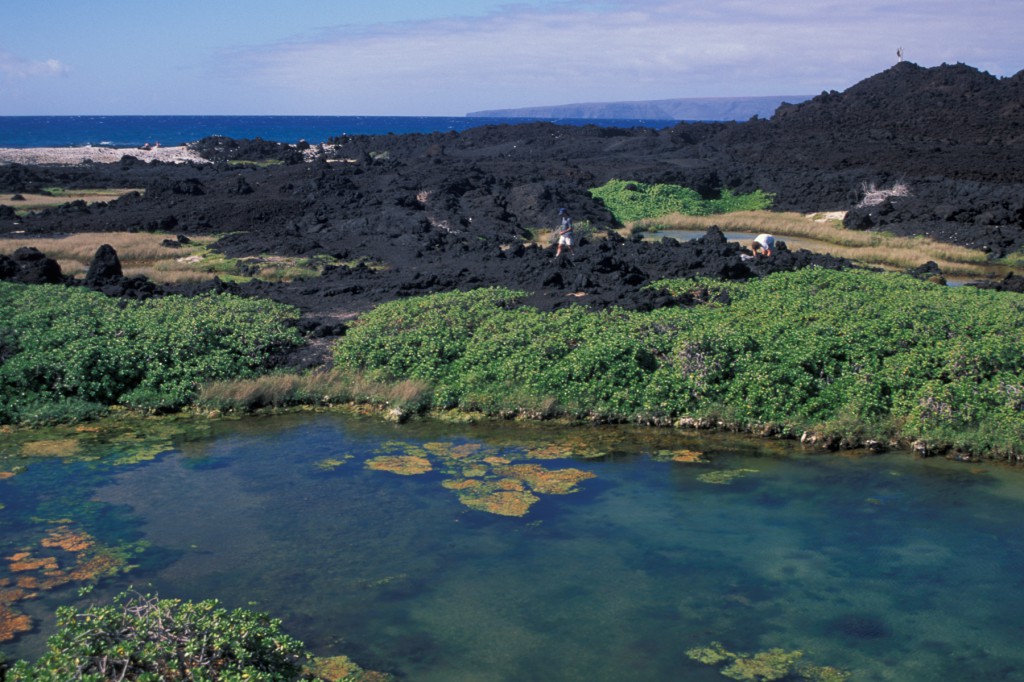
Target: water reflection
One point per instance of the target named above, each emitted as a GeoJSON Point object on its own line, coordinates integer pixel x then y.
{"type": "Point", "coordinates": [885, 566]}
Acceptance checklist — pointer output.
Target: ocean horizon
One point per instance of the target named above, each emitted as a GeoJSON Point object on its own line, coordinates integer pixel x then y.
{"type": "Point", "coordinates": [135, 131]}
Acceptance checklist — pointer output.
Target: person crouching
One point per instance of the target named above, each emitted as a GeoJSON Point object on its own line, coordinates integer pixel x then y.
{"type": "Point", "coordinates": [763, 244]}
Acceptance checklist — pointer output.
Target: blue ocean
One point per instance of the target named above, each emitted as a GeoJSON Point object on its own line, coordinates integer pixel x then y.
{"type": "Point", "coordinates": [134, 131]}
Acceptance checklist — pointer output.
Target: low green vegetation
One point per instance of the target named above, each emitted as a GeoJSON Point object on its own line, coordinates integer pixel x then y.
{"type": "Point", "coordinates": [146, 639]}
{"type": "Point", "coordinates": [70, 353]}
{"type": "Point", "coordinates": [265, 268]}
{"type": "Point", "coordinates": [630, 201]}
{"type": "Point", "coordinates": [845, 358]}
{"type": "Point", "coordinates": [848, 357]}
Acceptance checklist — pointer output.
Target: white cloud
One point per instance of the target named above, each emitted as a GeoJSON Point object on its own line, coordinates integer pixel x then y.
{"type": "Point", "coordinates": [16, 67]}
{"type": "Point", "coordinates": [646, 49]}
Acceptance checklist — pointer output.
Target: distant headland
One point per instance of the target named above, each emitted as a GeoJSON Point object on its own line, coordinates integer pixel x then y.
{"type": "Point", "coordinates": [681, 109]}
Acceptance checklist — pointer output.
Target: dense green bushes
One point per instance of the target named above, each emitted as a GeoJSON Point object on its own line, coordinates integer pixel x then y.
{"type": "Point", "coordinates": [69, 353]}
{"type": "Point", "coordinates": [853, 355]}
{"type": "Point", "coordinates": [847, 355]}
{"type": "Point", "coordinates": [149, 639]}
{"type": "Point", "coordinates": [629, 201]}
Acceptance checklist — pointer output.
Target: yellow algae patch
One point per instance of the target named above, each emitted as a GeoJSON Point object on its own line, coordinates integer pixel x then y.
{"type": "Point", "coordinates": [688, 456]}
{"type": "Point", "coordinates": [23, 561]}
{"type": "Point", "coordinates": [343, 669]}
{"type": "Point", "coordinates": [6, 474]}
{"type": "Point", "coordinates": [550, 451]}
{"type": "Point", "coordinates": [679, 455]}
{"type": "Point", "coordinates": [44, 573]}
{"type": "Point", "coordinates": [773, 664]}
{"type": "Point", "coordinates": [566, 449]}
{"type": "Point", "coordinates": [131, 447]}
{"type": "Point", "coordinates": [65, 447]}
{"type": "Point", "coordinates": [509, 484]}
{"type": "Point", "coordinates": [439, 449]}
{"type": "Point", "coordinates": [67, 539]}
{"type": "Point", "coordinates": [405, 465]}
{"type": "Point", "coordinates": [464, 484]}
{"type": "Point", "coordinates": [12, 622]}
{"type": "Point", "coordinates": [465, 450]}
{"type": "Point", "coordinates": [96, 566]}
{"type": "Point", "coordinates": [333, 668]}
{"type": "Point", "coordinates": [90, 562]}
{"type": "Point", "coordinates": [494, 460]}
{"type": "Point", "coordinates": [724, 476]}
{"type": "Point", "coordinates": [502, 502]}
{"type": "Point", "coordinates": [28, 582]}
{"type": "Point", "coordinates": [9, 595]}
{"type": "Point", "coordinates": [332, 463]}
{"type": "Point", "coordinates": [546, 481]}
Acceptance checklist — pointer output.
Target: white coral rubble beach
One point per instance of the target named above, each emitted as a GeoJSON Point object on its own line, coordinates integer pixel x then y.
{"type": "Point", "coordinates": [77, 155]}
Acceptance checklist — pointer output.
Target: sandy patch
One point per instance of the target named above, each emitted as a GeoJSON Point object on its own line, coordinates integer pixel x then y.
{"type": "Point", "coordinates": [825, 217]}
{"type": "Point", "coordinates": [78, 155]}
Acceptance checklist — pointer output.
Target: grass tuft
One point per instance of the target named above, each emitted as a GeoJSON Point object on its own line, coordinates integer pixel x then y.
{"type": "Point", "coordinates": [313, 388]}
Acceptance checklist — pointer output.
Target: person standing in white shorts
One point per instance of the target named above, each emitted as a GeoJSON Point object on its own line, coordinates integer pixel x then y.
{"type": "Point", "coordinates": [564, 232]}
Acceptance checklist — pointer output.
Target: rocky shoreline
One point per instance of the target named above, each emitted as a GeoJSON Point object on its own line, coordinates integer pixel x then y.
{"type": "Point", "coordinates": [413, 214]}
{"type": "Point", "coordinates": [74, 156]}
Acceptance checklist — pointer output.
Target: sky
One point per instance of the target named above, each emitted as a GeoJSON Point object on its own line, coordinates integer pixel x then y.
{"type": "Point", "coordinates": [451, 57]}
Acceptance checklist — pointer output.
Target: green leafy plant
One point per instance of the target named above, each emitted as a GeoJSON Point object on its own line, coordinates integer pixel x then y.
{"type": "Point", "coordinates": [630, 201]}
{"type": "Point", "coordinates": [850, 356]}
{"type": "Point", "coordinates": [147, 639]}
{"type": "Point", "coordinates": [70, 353]}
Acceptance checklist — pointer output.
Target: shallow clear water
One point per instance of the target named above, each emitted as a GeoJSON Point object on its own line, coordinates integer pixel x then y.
{"type": "Point", "coordinates": [886, 566]}
{"type": "Point", "coordinates": [745, 238]}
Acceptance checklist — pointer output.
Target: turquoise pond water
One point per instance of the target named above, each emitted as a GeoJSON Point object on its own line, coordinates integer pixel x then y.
{"type": "Point", "coordinates": [886, 566]}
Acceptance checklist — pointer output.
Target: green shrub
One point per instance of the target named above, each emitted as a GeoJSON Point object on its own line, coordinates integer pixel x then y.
{"type": "Point", "coordinates": [858, 354]}
{"type": "Point", "coordinates": [631, 201]}
{"type": "Point", "coordinates": [71, 351]}
{"type": "Point", "coordinates": [146, 639]}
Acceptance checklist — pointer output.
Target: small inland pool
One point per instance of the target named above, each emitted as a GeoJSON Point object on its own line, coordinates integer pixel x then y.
{"type": "Point", "coordinates": [499, 551]}
{"type": "Point", "coordinates": [991, 272]}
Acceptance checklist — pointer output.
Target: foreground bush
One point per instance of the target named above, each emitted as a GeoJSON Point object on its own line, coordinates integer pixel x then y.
{"type": "Point", "coordinates": [849, 355]}
{"type": "Point", "coordinates": [68, 353]}
{"type": "Point", "coordinates": [148, 639]}
{"type": "Point", "coordinates": [631, 201]}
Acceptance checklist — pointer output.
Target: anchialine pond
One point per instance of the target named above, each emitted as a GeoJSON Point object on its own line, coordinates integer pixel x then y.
{"type": "Point", "coordinates": [440, 551]}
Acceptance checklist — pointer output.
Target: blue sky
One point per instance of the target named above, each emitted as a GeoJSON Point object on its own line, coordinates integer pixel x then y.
{"type": "Point", "coordinates": [448, 57]}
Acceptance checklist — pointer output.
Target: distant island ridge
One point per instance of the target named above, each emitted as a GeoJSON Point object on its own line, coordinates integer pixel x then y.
{"type": "Point", "coordinates": [680, 109]}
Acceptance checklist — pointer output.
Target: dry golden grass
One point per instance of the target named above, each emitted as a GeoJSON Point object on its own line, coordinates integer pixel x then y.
{"type": "Point", "coordinates": [335, 386]}
{"type": "Point", "coordinates": [141, 253]}
{"type": "Point", "coordinates": [35, 202]}
{"type": "Point", "coordinates": [829, 236]}
{"type": "Point", "coordinates": [407, 392]}
{"type": "Point", "coordinates": [273, 390]}
{"type": "Point", "coordinates": [130, 246]}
